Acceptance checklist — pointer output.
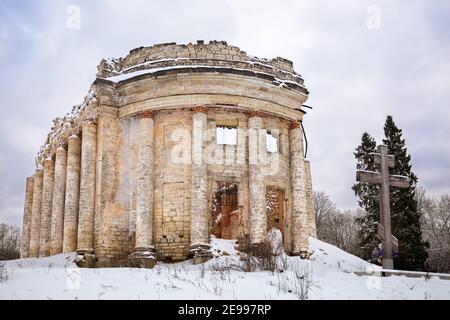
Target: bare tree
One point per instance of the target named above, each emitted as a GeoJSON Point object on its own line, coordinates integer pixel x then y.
{"type": "Point", "coordinates": [340, 229]}
{"type": "Point", "coordinates": [9, 242]}
{"type": "Point", "coordinates": [334, 226]}
{"type": "Point", "coordinates": [435, 220]}
{"type": "Point", "coordinates": [323, 207]}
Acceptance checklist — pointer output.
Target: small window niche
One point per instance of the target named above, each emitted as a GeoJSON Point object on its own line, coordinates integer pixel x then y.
{"type": "Point", "coordinates": [226, 135]}
{"type": "Point", "coordinates": [272, 141]}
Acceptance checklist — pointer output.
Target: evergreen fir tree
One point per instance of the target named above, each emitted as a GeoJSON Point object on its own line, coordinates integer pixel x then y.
{"type": "Point", "coordinates": [367, 195]}
{"type": "Point", "coordinates": [405, 218]}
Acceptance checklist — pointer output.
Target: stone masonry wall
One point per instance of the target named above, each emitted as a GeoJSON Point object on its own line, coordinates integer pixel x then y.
{"type": "Point", "coordinates": [172, 187]}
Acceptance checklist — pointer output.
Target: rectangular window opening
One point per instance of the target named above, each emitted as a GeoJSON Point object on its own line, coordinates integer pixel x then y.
{"type": "Point", "coordinates": [226, 135]}
{"type": "Point", "coordinates": [272, 144]}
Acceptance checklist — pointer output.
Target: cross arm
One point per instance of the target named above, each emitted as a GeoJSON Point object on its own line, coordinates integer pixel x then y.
{"type": "Point", "coordinates": [368, 176]}
{"type": "Point", "coordinates": [398, 181]}
{"type": "Point", "coordinates": [377, 159]}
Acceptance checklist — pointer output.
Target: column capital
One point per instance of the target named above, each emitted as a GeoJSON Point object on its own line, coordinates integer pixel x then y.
{"type": "Point", "coordinates": [74, 136]}
{"type": "Point", "coordinates": [107, 110]}
{"type": "Point", "coordinates": [294, 125]}
{"type": "Point", "coordinates": [88, 122]}
{"type": "Point", "coordinates": [61, 147]}
{"type": "Point", "coordinates": [49, 159]}
{"type": "Point", "coordinates": [255, 114]}
{"type": "Point", "coordinates": [200, 109]}
{"type": "Point", "coordinates": [39, 170]}
{"type": "Point", "coordinates": [145, 115]}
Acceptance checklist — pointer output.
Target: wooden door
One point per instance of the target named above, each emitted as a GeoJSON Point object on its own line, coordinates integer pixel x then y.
{"type": "Point", "coordinates": [275, 203]}
{"type": "Point", "coordinates": [225, 204]}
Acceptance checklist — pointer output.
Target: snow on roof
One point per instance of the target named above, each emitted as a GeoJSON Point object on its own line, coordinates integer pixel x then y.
{"type": "Point", "coordinates": [127, 76]}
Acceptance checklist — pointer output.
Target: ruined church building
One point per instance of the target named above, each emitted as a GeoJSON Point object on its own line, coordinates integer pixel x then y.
{"type": "Point", "coordinates": [172, 145]}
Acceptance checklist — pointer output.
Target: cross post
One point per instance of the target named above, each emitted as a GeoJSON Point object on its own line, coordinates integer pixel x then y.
{"type": "Point", "coordinates": [384, 180]}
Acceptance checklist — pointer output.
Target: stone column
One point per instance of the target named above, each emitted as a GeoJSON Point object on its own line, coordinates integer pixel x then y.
{"type": "Point", "coordinates": [36, 209]}
{"type": "Point", "coordinates": [72, 194]}
{"type": "Point", "coordinates": [299, 206]}
{"type": "Point", "coordinates": [56, 235]}
{"type": "Point", "coordinates": [310, 201]}
{"type": "Point", "coordinates": [47, 202]}
{"type": "Point", "coordinates": [258, 216]}
{"type": "Point", "coordinates": [111, 241]}
{"type": "Point", "coordinates": [26, 227]}
{"type": "Point", "coordinates": [144, 251]}
{"type": "Point", "coordinates": [85, 245]}
{"type": "Point", "coordinates": [200, 247]}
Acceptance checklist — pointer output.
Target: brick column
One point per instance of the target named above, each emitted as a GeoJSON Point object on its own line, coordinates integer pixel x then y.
{"type": "Point", "coordinates": [299, 212]}
{"type": "Point", "coordinates": [26, 226]}
{"type": "Point", "coordinates": [47, 202]}
{"type": "Point", "coordinates": [310, 201]}
{"type": "Point", "coordinates": [144, 251]}
{"type": "Point", "coordinates": [56, 235]}
{"type": "Point", "coordinates": [85, 245]}
{"type": "Point", "coordinates": [36, 209]}
{"type": "Point", "coordinates": [256, 145]}
{"type": "Point", "coordinates": [199, 206]}
{"type": "Point", "coordinates": [72, 194]}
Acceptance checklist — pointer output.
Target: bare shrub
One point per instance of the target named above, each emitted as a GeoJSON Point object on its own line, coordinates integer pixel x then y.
{"type": "Point", "coordinates": [303, 276]}
{"type": "Point", "coordinates": [217, 285]}
{"type": "Point", "coordinates": [3, 272]}
{"type": "Point", "coordinates": [266, 256]}
{"type": "Point", "coordinates": [297, 281]}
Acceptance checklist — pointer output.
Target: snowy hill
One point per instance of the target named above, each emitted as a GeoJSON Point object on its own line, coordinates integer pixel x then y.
{"type": "Point", "coordinates": [328, 275]}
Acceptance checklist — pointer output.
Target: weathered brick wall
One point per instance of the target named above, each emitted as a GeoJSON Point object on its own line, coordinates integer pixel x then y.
{"type": "Point", "coordinates": [231, 163]}
{"type": "Point", "coordinates": [228, 163]}
{"type": "Point", "coordinates": [172, 188]}
{"type": "Point", "coordinates": [172, 194]}
{"type": "Point", "coordinates": [278, 172]}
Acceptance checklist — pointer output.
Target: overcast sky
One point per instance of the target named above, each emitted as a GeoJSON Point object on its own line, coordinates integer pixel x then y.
{"type": "Point", "coordinates": [361, 60]}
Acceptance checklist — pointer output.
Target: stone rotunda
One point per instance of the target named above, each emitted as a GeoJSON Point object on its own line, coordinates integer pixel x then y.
{"type": "Point", "coordinates": [172, 145]}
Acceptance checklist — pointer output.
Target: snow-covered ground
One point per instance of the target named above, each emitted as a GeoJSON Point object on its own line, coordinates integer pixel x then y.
{"type": "Point", "coordinates": [328, 275]}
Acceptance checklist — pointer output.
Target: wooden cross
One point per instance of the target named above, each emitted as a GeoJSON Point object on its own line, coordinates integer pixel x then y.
{"type": "Point", "coordinates": [384, 180]}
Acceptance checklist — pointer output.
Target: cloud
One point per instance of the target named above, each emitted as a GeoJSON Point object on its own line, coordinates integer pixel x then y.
{"type": "Point", "coordinates": [356, 76]}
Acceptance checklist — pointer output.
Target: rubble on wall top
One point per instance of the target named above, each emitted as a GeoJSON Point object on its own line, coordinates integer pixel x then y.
{"type": "Point", "coordinates": [214, 54]}
{"type": "Point", "coordinates": [67, 126]}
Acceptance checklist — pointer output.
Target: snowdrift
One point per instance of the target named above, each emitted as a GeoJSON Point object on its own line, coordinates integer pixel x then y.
{"type": "Point", "coordinates": [327, 275]}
